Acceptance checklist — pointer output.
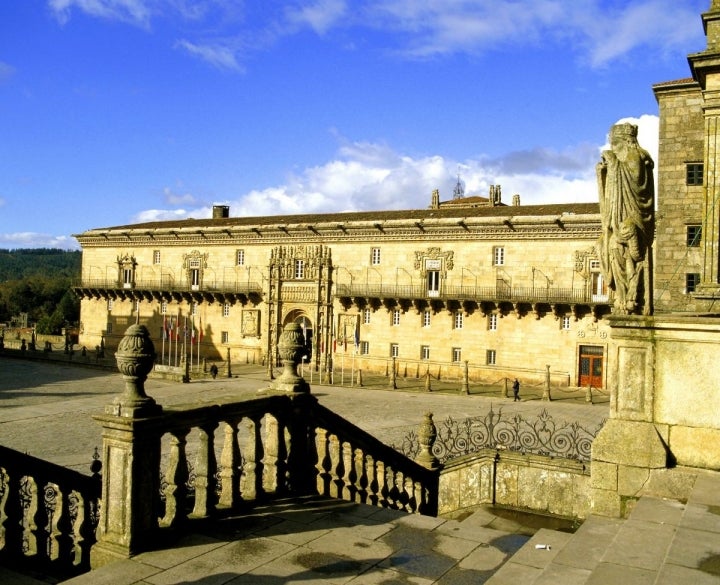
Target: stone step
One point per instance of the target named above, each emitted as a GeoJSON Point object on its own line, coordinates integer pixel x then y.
{"type": "Point", "coordinates": [8, 577]}
{"type": "Point", "coordinates": [570, 559]}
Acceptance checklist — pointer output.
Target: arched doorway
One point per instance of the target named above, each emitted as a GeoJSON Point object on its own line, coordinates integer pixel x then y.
{"type": "Point", "coordinates": [299, 317]}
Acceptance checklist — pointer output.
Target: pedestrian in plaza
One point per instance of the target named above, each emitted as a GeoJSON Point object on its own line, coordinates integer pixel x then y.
{"type": "Point", "coordinates": [516, 390]}
{"type": "Point", "coordinates": [214, 371]}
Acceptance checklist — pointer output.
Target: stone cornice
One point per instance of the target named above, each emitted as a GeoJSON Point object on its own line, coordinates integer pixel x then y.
{"type": "Point", "coordinates": [506, 228]}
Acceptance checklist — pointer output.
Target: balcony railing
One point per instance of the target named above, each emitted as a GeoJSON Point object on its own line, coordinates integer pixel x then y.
{"type": "Point", "coordinates": [456, 292]}
{"type": "Point", "coordinates": [169, 285]}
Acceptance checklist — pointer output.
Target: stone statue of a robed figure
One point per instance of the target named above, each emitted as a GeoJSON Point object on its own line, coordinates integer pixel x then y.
{"type": "Point", "coordinates": [627, 209]}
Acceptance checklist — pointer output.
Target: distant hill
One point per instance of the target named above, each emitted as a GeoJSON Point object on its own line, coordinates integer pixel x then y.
{"type": "Point", "coordinates": [48, 262]}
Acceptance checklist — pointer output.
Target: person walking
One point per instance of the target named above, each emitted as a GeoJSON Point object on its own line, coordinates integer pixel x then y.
{"type": "Point", "coordinates": [516, 390]}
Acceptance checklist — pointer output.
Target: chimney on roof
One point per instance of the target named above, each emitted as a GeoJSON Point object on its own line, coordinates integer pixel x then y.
{"type": "Point", "coordinates": [435, 199]}
{"type": "Point", "coordinates": [221, 211]}
{"type": "Point", "coordinates": [495, 197]}
{"type": "Point", "coordinates": [516, 200]}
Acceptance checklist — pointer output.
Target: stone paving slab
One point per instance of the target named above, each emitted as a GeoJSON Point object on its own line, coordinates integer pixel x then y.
{"type": "Point", "coordinates": [334, 542]}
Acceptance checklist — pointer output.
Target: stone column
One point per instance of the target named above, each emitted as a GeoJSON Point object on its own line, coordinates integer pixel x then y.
{"type": "Point", "coordinates": [131, 457]}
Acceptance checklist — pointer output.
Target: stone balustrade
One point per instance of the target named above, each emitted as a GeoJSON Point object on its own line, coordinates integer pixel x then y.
{"type": "Point", "coordinates": [48, 514]}
{"type": "Point", "coordinates": [166, 467]}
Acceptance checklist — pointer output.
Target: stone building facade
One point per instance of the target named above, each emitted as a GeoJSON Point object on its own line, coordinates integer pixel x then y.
{"type": "Point", "coordinates": [511, 290]}
{"type": "Point", "coordinates": [687, 275]}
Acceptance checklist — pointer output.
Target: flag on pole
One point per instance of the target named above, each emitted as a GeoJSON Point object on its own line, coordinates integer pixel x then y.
{"type": "Point", "coordinates": [171, 327]}
{"type": "Point", "coordinates": [200, 331]}
{"type": "Point", "coordinates": [192, 331]}
{"type": "Point", "coordinates": [164, 328]}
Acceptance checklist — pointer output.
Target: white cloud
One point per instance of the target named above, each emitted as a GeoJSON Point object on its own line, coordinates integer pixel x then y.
{"type": "Point", "coordinates": [178, 198]}
{"type": "Point", "coordinates": [218, 55]}
{"type": "Point", "coordinates": [598, 31]}
{"type": "Point", "coordinates": [136, 12]}
{"type": "Point", "coordinates": [368, 176]}
{"type": "Point", "coordinates": [37, 240]}
{"type": "Point", "coordinates": [320, 15]}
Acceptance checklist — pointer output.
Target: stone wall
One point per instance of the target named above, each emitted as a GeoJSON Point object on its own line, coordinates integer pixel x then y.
{"type": "Point", "coordinates": [536, 483]}
{"type": "Point", "coordinates": [678, 204]}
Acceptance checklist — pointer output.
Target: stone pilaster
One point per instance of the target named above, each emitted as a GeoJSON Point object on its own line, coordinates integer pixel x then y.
{"type": "Point", "coordinates": [631, 444]}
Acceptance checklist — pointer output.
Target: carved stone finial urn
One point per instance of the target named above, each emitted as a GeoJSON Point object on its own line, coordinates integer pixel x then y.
{"type": "Point", "coordinates": [135, 358]}
{"type": "Point", "coordinates": [427, 433]}
{"type": "Point", "coordinates": [291, 348]}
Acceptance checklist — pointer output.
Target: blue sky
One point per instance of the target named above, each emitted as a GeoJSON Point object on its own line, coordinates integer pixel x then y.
{"type": "Point", "coordinates": [119, 111]}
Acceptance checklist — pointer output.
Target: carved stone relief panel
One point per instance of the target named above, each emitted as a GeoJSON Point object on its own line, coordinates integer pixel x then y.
{"type": "Point", "coordinates": [250, 323]}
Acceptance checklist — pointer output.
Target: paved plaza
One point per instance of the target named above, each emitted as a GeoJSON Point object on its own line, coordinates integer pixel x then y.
{"type": "Point", "coordinates": [47, 407]}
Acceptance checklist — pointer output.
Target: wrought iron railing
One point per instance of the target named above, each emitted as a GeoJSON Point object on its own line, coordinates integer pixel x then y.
{"type": "Point", "coordinates": [456, 292]}
{"type": "Point", "coordinates": [48, 514]}
{"type": "Point", "coordinates": [169, 285]}
{"type": "Point", "coordinates": [542, 435]}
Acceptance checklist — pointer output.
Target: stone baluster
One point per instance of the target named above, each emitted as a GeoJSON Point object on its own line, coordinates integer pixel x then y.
{"type": "Point", "coordinates": [11, 514]}
{"type": "Point", "coordinates": [29, 497]}
{"type": "Point", "coordinates": [252, 483]}
{"type": "Point", "coordinates": [230, 467]}
{"type": "Point", "coordinates": [271, 470]}
{"type": "Point", "coordinates": [58, 525]}
{"type": "Point", "coordinates": [373, 497]}
{"type": "Point", "coordinates": [336, 467]}
{"type": "Point", "coordinates": [322, 446]}
{"type": "Point", "coordinates": [205, 469]}
{"type": "Point", "coordinates": [361, 479]}
{"type": "Point", "coordinates": [176, 478]}
{"type": "Point", "coordinates": [382, 488]}
{"type": "Point", "coordinates": [348, 478]}
{"type": "Point", "coordinates": [79, 514]}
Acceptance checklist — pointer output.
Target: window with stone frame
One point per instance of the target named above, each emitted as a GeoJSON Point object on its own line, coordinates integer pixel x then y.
{"type": "Point", "coordinates": [364, 348]}
{"type": "Point", "coordinates": [490, 357]}
{"type": "Point", "coordinates": [396, 317]}
{"type": "Point", "coordinates": [299, 269]}
{"type": "Point", "coordinates": [224, 337]}
{"type": "Point", "coordinates": [375, 256]}
{"type": "Point", "coordinates": [456, 354]}
{"type": "Point", "coordinates": [366, 316]}
{"type": "Point", "coordinates": [458, 320]}
{"type": "Point", "coordinates": [163, 308]}
{"type": "Point", "coordinates": [110, 303]}
{"type": "Point", "coordinates": [424, 352]}
{"type": "Point", "coordinates": [426, 318]}
{"type": "Point", "coordinates": [692, 280]}
{"type": "Point", "coordinates": [394, 350]}
{"type": "Point", "coordinates": [156, 256]}
{"type": "Point", "coordinates": [693, 234]}
{"type": "Point", "coordinates": [565, 323]}
{"type": "Point", "coordinates": [226, 310]}
{"type": "Point", "coordinates": [498, 256]}
{"type": "Point", "coordinates": [240, 257]}
{"type": "Point", "coordinates": [108, 327]}
{"type": "Point", "coordinates": [492, 322]}
{"type": "Point", "coordinates": [694, 174]}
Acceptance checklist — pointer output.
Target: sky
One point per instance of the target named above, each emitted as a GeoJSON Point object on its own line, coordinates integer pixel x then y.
{"type": "Point", "coordinates": [121, 111]}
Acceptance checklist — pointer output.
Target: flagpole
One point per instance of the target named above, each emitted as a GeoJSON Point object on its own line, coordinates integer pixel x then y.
{"type": "Point", "coordinates": [162, 352]}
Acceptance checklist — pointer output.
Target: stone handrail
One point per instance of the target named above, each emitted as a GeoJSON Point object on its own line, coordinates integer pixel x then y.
{"type": "Point", "coordinates": [169, 285]}
{"type": "Point", "coordinates": [353, 465]}
{"type": "Point", "coordinates": [48, 514]}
